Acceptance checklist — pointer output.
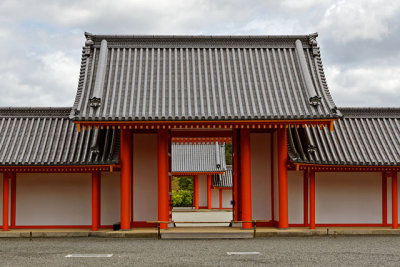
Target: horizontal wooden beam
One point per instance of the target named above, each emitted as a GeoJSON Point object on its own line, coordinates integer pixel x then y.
{"type": "Point", "coordinates": [59, 169]}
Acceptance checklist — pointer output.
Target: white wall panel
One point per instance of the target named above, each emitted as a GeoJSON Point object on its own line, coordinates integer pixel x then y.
{"type": "Point", "coordinates": [215, 198]}
{"type": "Point", "coordinates": [348, 197]}
{"type": "Point", "coordinates": [276, 188]}
{"type": "Point", "coordinates": [226, 198]}
{"type": "Point", "coordinates": [295, 197]}
{"type": "Point", "coordinates": [260, 176]}
{"type": "Point", "coordinates": [53, 199]}
{"type": "Point", "coordinates": [145, 177]}
{"type": "Point", "coordinates": [110, 198]}
{"type": "Point", "coordinates": [202, 190]}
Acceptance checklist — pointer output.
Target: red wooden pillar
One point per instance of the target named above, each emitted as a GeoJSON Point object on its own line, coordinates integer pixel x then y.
{"type": "Point", "coordinates": [220, 198]}
{"type": "Point", "coordinates": [384, 198]}
{"type": "Point", "coordinates": [395, 220]}
{"type": "Point", "coordinates": [6, 177]}
{"type": "Point", "coordinates": [95, 201]}
{"type": "Point", "coordinates": [305, 197]}
{"type": "Point", "coordinates": [208, 191]}
{"type": "Point", "coordinates": [13, 177]}
{"type": "Point", "coordinates": [126, 172]}
{"type": "Point", "coordinates": [196, 192]}
{"type": "Point", "coordinates": [235, 175]}
{"type": "Point", "coordinates": [312, 200]}
{"type": "Point", "coordinates": [245, 181]}
{"type": "Point", "coordinates": [282, 179]}
{"type": "Point", "coordinates": [163, 182]}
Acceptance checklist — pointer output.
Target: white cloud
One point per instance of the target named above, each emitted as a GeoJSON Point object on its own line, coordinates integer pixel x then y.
{"type": "Point", "coordinates": [348, 20]}
{"type": "Point", "coordinates": [365, 86]}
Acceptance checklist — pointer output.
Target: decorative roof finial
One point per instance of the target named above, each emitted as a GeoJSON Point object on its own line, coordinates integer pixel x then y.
{"type": "Point", "coordinates": [312, 40]}
{"type": "Point", "coordinates": [88, 44]}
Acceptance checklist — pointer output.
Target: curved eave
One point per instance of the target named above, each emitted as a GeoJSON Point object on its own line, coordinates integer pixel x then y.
{"type": "Point", "coordinates": [60, 168]}
{"type": "Point", "coordinates": [342, 168]}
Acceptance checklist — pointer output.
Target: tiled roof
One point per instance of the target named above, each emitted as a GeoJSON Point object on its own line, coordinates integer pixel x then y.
{"type": "Point", "coordinates": [365, 136]}
{"type": "Point", "coordinates": [223, 180]}
{"type": "Point", "coordinates": [198, 158]}
{"type": "Point", "coordinates": [46, 136]}
{"type": "Point", "coordinates": [155, 78]}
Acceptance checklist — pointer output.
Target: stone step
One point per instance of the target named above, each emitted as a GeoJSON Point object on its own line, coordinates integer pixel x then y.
{"type": "Point", "coordinates": [207, 235]}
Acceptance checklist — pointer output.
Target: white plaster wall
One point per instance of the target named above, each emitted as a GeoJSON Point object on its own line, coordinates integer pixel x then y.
{"type": "Point", "coordinates": [295, 197]}
{"type": "Point", "coordinates": [348, 197]}
{"type": "Point", "coordinates": [53, 199]}
{"type": "Point", "coordinates": [227, 198]}
{"type": "Point", "coordinates": [202, 190]}
{"type": "Point", "coordinates": [110, 198]}
{"type": "Point", "coordinates": [215, 198]}
{"type": "Point", "coordinates": [260, 176]}
{"type": "Point", "coordinates": [145, 177]}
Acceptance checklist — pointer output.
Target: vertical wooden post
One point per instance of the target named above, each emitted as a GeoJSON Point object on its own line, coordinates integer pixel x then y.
{"type": "Point", "coordinates": [312, 200]}
{"type": "Point", "coordinates": [208, 191]}
{"type": "Point", "coordinates": [220, 198]}
{"type": "Point", "coordinates": [6, 178]}
{"type": "Point", "coordinates": [126, 172]}
{"type": "Point", "coordinates": [384, 199]}
{"type": "Point", "coordinates": [95, 200]}
{"type": "Point", "coordinates": [235, 175]}
{"type": "Point", "coordinates": [13, 177]}
{"type": "Point", "coordinates": [245, 181]}
{"type": "Point", "coordinates": [163, 180]}
{"type": "Point", "coordinates": [282, 179]}
{"type": "Point", "coordinates": [305, 197]}
{"type": "Point", "coordinates": [395, 219]}
{"type": "Point", "coordinates": [196, 192]}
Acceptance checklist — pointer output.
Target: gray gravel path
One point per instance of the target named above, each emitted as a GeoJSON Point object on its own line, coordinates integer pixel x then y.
{"type": "Point", "coordinates": [326, 251]}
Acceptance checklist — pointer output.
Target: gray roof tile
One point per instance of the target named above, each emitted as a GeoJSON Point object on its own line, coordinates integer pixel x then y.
{"type": "Point", "coordinates": [223, 180]}
{"type": "Point", "coordinates": [364, 136]}
{"type": "Point", "coordinates": [141, 78]}
{"type": "Point", "coordinates": [46, 136]}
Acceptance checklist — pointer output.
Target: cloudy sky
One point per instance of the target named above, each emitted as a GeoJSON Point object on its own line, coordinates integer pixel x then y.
{"type": "Point", "coordinates": [41, 41]}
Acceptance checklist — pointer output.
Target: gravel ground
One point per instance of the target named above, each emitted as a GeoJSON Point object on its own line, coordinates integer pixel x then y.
{"type": "Point", "coordinates": [326, 251]}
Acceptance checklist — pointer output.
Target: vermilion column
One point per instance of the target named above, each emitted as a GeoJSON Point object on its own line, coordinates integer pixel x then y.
{"type": "Point", "coordinates": [220, 198]}
{"type": "Point", "coordinates": [282, 179]}
{"type": "Point", "coordinates": [6, 186]}
{"type": "Point", "coordinates": [208, 191]}
{"type": "Point", "coordinates": [305, 197]}
{"type": "Point", "coordinates": [395, 220]}
{"type": "Point", "coordinates": [163, 183]}
{"type": "Point", "coordinates": [312, 200]}
{"type": "Point", "coordinates": [245, 181]}
{"type": "Point", "coordinates": [13, 177]}
{"type": "Point", "coordinates": [196, 192]}
{"type": "Point", "coordinates": [126, 172]}
{"type": "Point", "coordinates": [384, 198]}
{"type": "Point", "coordinates": [95, 201]}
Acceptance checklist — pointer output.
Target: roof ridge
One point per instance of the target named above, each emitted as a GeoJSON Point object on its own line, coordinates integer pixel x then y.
{"type": "Point", "coordinates": [35, 111]}
{"type": "Point", "coordinates": [370, 112]}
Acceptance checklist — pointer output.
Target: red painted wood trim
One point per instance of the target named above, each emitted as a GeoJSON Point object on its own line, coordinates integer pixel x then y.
{"type": "Point", "coordinates": [220, 198]}
{"type": "Point", "coordinates": [272, 178]}
{"type": "Point", "coordinates": [95, 200]}
{"type": "Point", "coordinates": [305, 197]}
{"type": "Point", "coordinates": [143, 224]}
{"type": "Point", "coordinates": [312, 200]}
{"type": "Point", "coordinates": [13, 199]}
{"type": "Point", "coordinates": [6, 188]}
{"type": "Point", "coordinates": [196, 191]}
{"type": "Point", "coordinates": [235, 175]}
{"type": "Point", "coordinates": [283, 180]}
{"type": "Point", "coordinates": [384, 198]}
{"type": "Point", "coordinates": [209, 191]}
{"type": "Point", "coordinates": [163, 179]}
{"type": "Point", "coordinates": [350, 225]}
{"type": "Point", "coordinates": [202, 134]}
{"type": "Point", "coordinates": [395, 219]}
{"type": "Point", "coordinates": [126, 163]}
{"type": "Point", "coordinates": [245, 181]}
